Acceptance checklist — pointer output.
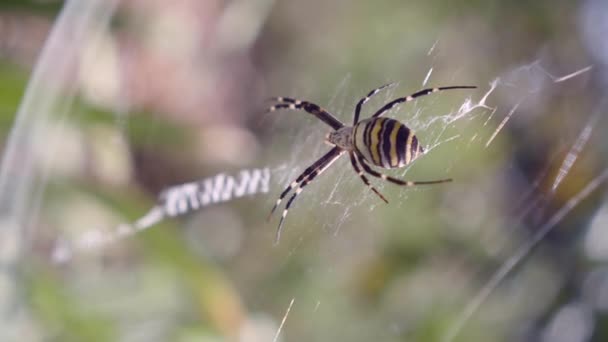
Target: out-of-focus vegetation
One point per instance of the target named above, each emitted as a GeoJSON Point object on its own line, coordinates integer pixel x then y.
{"type": "Point", "coordinates": [173, 92]}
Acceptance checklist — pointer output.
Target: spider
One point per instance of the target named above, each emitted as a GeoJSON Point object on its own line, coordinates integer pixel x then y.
{"type": "Point", "coordinates": [383, 142]}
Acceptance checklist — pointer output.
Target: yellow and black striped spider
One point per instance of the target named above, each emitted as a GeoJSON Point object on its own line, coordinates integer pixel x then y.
{"type": "Point", "coordinates": [384, 142]}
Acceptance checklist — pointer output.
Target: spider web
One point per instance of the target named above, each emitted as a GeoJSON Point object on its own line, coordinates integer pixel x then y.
{"type": "Point", "coordinates": [475, 124]}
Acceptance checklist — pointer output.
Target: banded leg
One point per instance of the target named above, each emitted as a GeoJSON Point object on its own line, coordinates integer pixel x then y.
{"type": "Point", "coordinates": [366, 98]}
{"type": "Point", "coordinates": [301, 186]}
{"type": "Point", "coordinates": [375, 173]}
{"type": "Point", "coordinates": [304, 179]}
{"type": "Point", "coordinates": [320, 162]}
{"type": "Point", "coordinates": [320, 113]}
{"type": "Point", "coordinates": [409, 98]}
{"type": "Point", "coordinates": [353, 161]}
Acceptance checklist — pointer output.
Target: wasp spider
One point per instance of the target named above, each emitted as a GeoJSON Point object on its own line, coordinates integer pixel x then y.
{"type": "Point", "coordinates": [383, 142]}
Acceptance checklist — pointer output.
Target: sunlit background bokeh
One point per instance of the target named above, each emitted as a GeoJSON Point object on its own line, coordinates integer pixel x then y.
{"type": "Point", "coordinates": [130, 97]}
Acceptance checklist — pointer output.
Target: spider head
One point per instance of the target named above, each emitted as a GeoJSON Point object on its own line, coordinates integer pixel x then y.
{"type": "Point", "coordinates": [342, 138]}
{"type": "Point", "coordinates": [328, 141]}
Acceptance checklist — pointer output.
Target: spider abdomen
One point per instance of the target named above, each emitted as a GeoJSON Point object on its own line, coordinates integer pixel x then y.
{"type": "Point", "coordinates": [386, 142]}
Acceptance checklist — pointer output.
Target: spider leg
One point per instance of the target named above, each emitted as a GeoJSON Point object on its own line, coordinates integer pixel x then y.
{"type": "Point", "coordinates": [337, 152]}
{"type": "Point", "coordinates": [304, 175]}
{"type": "Point", "coordinates": [409, 98]}
{"type": "Point", "coordinates": [353, 161]}
{"type": "Point", "coordinates": [366, 98]}
{"type": "Point", "coordinates": [375, 173]}
{"type": "Point", "coordinates": [316, 110]}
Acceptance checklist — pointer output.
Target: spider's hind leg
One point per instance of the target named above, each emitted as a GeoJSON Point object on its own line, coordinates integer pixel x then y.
{"type": "Point", "coordinates": [353, 161]}
{"type": "Point", "coordinates": [397, 181]}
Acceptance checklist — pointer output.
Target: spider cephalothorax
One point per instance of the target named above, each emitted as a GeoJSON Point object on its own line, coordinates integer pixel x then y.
{"type": "Point", "coordinates": [343, 138]}
{"type": "Point", "coordinates": [383, 142]}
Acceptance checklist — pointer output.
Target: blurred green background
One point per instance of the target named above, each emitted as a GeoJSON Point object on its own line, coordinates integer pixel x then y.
{"type": "Point", "coordinates": [173, 92]}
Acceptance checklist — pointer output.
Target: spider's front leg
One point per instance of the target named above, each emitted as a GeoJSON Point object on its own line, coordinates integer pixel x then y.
{"type": "Point", "coordinates": [304, 179]}
{"type": "Point", "coordinates": [419, 93]}
{"type": "Point", "coordinates": [309, 107]}
{"type": "Point", "coordinates": [366, 98]}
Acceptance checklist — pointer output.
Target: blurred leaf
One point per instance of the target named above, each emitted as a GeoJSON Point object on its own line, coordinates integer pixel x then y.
{"type": "Point", "coordinates": [68, 319]}
{"type": "Point", "coordinates": [32, 6]}
{"type": "Point", "coordinates": [12, 85]}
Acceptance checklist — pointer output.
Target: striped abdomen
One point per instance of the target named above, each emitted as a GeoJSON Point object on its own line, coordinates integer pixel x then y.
{"type": "Point", "coordinates": [386, 142]}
